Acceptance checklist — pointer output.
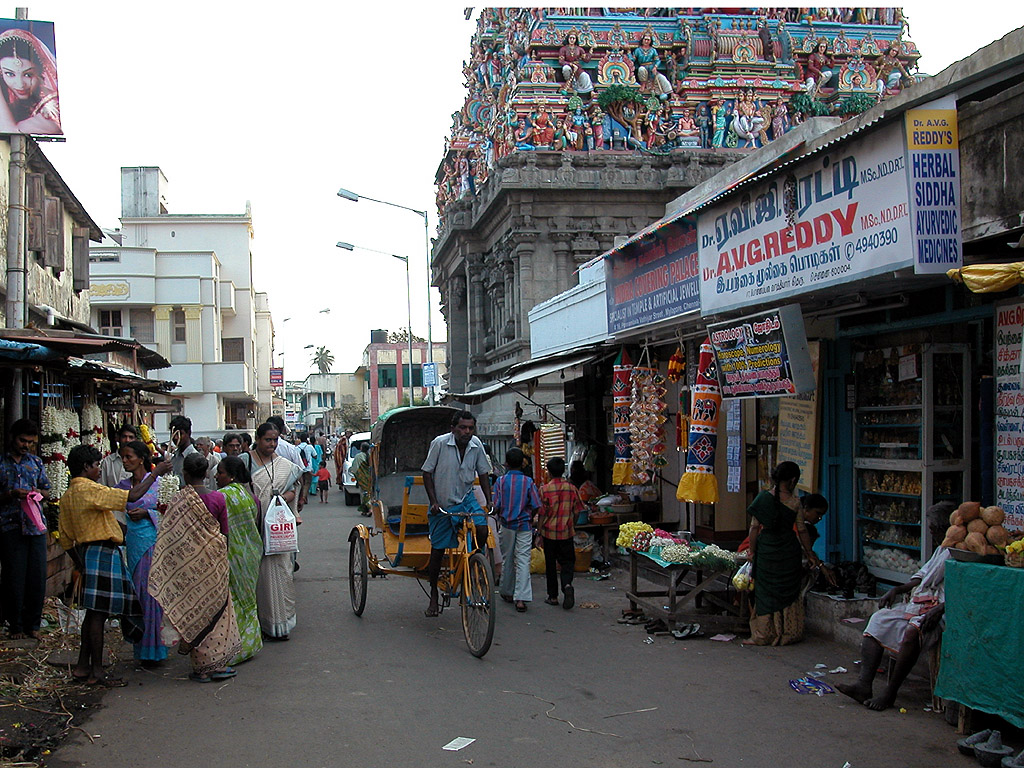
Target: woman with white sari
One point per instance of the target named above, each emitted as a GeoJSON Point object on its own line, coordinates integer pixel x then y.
{"type": "Point", "coordinates": [273, 475]}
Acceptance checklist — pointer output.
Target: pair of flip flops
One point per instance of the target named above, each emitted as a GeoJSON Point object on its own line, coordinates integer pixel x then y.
{"type": "Point", "coordinates": [687, 630]}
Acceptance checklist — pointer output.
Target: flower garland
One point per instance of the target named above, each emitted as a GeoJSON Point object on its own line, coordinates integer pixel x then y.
{"type": "Point", "coordinates": [61, 431]}
{"type": "Point", "coordinates": [646, 418]}
{"type": "Point", "coordinates": [92, 426]}
{"type": "Point", "coordinates": [166, 487]}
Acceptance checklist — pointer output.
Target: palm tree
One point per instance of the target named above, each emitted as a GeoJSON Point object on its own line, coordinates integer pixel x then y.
{"type": "Point", "coordinates": [323, 359]}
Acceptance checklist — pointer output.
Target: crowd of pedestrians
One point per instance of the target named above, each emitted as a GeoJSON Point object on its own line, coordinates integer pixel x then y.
{"type": "Point", "coordinates": [133, 519]}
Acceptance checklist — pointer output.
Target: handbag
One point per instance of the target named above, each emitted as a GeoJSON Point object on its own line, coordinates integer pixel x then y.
{"type": "Point", "coordinates": [280, 535]}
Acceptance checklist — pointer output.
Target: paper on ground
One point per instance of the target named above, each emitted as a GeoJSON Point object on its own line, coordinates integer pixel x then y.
{"type": "Point", "coordinates": [458, 743]}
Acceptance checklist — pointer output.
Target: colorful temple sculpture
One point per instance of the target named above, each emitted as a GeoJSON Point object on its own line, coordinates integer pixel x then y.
{"type": "Point", "coordinates": [663, 80]}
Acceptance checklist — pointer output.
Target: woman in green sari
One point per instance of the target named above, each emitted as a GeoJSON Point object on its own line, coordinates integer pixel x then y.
{"type": "Point", "coordinates": [245, 550]}
{"type": "Point", "coordinates": [775, 553]}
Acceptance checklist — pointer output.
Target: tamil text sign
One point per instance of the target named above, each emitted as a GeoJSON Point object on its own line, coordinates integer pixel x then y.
{"type": "Point", "coordinates": [763, 355]}
{"type": "Point", "coordinates": [653, 279]}
{"type": "Point", "coordinates": [839, 216]}
{"type": "Point", "coordinates": [277, 377]}
{"type": "Point", "coordinates": [1009, 332]}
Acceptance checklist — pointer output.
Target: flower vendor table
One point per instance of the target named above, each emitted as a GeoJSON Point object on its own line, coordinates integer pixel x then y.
{"type": "Point", "coordinates": [678, 603]}
{"type": "Point", "coordinates": [983, 639]}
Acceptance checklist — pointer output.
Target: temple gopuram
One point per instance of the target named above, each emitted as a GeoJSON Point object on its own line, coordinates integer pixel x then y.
{"type": "Point", "coordinates": [581, 125]}
{"type": "Point", "coordinates": [661, 80]}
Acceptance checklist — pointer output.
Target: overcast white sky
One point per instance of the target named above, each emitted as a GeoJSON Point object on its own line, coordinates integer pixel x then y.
{"type": "Point", "coordinates": [239, 101]}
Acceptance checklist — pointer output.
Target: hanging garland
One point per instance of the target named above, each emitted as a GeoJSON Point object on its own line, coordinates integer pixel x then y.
{"type": "Point", "coordinates": [646, 420]}
{"type": "Point", "coordinates": [61, 431]}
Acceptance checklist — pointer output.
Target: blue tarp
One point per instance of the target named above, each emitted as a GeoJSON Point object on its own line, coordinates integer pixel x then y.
{"type": "Point", "coordinates": [19, 350]}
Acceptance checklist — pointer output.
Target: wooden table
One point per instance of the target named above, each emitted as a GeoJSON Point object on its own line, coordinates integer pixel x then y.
{"type": "Point", "coordinates": [680, 602]}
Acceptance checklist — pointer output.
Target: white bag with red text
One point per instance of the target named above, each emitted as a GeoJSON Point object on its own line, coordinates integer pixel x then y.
{"type": "Point", "coordinates": [280, 534]}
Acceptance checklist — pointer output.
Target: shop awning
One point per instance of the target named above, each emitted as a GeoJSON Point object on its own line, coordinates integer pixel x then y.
{"type": "Point", "coordinates": [23, 351]}
{"type": "Point", "coordinates": [118, 374]}
{"type": "Point", "coordinates": [523, 372]}
{"type": "Point", "coordinates": [72, 343]}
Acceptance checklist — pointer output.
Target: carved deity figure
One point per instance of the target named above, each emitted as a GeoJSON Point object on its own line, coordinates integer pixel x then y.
{"type": "Point", "coordinates": [890, 70]}
{"type": "Point", "coordinates": [647, 61]}
{"type": "Point", "coordinates": [780, 119]}
{"type": "Point", "coordinates": [748, 122]}
{"type": "Point", "coordinates": [721, 114]}
{"type": "Point", "coordinates": [571, 57]}
{"type": "Point", "coordinates": [704, 126]}
{"type": "Point", "coordinates": [819, 68]}
{"type": "Point", "coordinates": [543, 129]}
{"type": "Point", "coordinates": [767, 46]}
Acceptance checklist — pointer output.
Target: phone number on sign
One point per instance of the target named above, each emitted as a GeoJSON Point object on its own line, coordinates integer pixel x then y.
{"type": "Point", "coordinates": [871, 242]}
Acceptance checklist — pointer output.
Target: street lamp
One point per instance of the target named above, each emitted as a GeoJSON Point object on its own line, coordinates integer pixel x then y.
{"type": "Point", "coordinates": [408, 298]}
{"type": "Point", "coordinates": [353, 197]}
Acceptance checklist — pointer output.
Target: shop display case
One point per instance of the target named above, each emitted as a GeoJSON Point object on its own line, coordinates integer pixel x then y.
{"type": "Point", "coordinates": [912, 433]}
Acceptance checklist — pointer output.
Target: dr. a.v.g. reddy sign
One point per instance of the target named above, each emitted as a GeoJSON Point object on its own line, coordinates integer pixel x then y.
{"type": "Point", "coordinates": [841, 216]}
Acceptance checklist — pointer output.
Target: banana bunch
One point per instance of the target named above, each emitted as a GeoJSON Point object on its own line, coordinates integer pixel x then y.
{"type": "Point", "coordinates": [147, 438]}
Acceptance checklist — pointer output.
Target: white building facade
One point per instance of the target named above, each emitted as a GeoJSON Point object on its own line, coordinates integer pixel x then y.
{"type": "Point", "coordinates": [182, 284]}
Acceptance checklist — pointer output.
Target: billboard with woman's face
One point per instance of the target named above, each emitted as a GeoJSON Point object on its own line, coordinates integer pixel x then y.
{"type": "Point", "coordinates": [28, 78]}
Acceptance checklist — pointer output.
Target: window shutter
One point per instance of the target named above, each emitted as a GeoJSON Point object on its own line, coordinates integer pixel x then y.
{"type": "Point", "coordinates": [80, 258]}
{"type": "Point", "coordinates": [53, 221]}
{"type": "Point", "coordinates": [35, 191]}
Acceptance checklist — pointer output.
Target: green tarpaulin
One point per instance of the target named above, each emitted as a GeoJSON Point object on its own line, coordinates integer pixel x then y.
{"type": "Point", "coordinates": [983, 644]}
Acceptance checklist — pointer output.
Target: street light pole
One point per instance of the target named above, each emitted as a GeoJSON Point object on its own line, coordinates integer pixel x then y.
{"type": "Point", "coordinates": [355, 198]}
{"type": "Point", "coordinates": [408, 302]}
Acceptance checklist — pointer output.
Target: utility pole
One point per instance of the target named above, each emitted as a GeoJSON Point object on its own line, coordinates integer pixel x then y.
{"type": "Point", "coordinates": [16, 266]}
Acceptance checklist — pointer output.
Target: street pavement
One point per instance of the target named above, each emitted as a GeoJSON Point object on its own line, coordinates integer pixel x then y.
{"type": "Point", "coordinates": [566, 688]}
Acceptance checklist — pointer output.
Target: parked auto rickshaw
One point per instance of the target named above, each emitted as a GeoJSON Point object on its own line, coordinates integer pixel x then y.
{"type": "Point", "coordinates": [399, 506]}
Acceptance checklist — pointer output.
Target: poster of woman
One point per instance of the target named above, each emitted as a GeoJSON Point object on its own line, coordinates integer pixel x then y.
{"type": "Point", "coordinates": [28, 78]}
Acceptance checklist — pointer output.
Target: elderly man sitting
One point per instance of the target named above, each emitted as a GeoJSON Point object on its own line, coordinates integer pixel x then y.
{"type": "Point", "coordinates": [907, 628]}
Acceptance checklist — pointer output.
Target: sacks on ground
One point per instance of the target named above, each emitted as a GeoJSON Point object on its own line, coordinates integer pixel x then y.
{"type": "Point", "coordinates": [538, 564]}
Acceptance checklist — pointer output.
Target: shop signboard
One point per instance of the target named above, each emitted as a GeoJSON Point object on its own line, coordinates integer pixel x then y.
{"type": "Point", "coordinates": [1009, 332]}
{"type": "Point", "coordinates": [763, 355]}
{"type": "Point", "coordinates": [277, 377]}
{"type": "Point", "coordinates": [798, 428]}
{"type": "Point", "coordinates": [841, 215]}
{"type": "Point", "coordinates": [30, 53]}
{"type": "Point", "coordinates": [430, 374]}
{"type": "Point", "coordinates": [653, 279]}
{"type": "Point", "coordinates": [933, 151]}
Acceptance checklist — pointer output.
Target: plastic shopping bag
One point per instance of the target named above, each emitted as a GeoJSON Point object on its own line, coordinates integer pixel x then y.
{"type": "Point", "coordinates": [742, 580]}
{"type": "Point", "coordinates": [32, 522]}
{"type": "Point", "coordinates": [279, 530]}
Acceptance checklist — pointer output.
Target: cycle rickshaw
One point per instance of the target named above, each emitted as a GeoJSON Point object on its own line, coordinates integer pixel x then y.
{"type": "Point", "coordinates": [398, 506]}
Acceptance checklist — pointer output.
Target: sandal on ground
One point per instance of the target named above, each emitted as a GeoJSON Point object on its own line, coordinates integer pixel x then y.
{"type": "Point", "coordinates": [107, 682]}
{"type": "Point", "coordinates": [184, 648]}
{"type": "Point", "coordinates": [520, 606]}
{"type": "Point", "coordinates": [223, 674]}
{"type": "Point", "coordinates": [81, 678]}
{"type": "Point", "coordinates": [685, 631]}
{"type": "Point", "coordinates": [199, 678]}
{"type": "Point", "coordinates": [432, 613]}
{"type": "Point", "coordinates": [570, 597]}
{"type": "Point", "coordinates": [507, 598]}
{"type": "Point", "coordinates": [551, 600]}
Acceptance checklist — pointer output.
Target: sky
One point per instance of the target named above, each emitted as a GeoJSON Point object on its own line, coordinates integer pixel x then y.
{"type": "Point", "coordinates": [238, 103]}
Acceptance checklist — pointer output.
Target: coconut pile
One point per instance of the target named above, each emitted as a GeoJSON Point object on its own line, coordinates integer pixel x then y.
{"type": "Point", "coordinates": [977, 529]}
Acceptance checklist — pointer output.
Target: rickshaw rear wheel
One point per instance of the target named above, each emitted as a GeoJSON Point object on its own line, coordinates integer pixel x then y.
{"type": "Point", "coordinates": [478, 604]}
{"type": "Point", "coordinates": [358, 571]}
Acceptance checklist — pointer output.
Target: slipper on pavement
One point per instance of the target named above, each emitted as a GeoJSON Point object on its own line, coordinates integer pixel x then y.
{"type": "Point", "coordinates": [570, 597]}
{"type": "Point", "coordinates": [225, 674]}
{"type": "Point", "coordinates": [520, 606]}
{"type": "Point", "coordinates": [551, 600]}
{"type": "Point", "coordinates": [107, 682]}
{"type": "Point", "coordinates": [199, 678]}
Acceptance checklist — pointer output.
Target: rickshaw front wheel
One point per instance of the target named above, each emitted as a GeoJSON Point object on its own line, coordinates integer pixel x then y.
{"type": "Point", "coordinates": [478, 604]}
{"type": "Point", "coordinates": [358, 571]}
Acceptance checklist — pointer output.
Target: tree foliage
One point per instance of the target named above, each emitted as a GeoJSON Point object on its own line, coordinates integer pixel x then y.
{"type": "Point", "coordinates": [353, 416]}
{"type": "Point", "coordinates": [401, 336]}
{"type": "Point", "coordinates": [808, 105]}
{"type": "Point", "coordinates": [323, 359]}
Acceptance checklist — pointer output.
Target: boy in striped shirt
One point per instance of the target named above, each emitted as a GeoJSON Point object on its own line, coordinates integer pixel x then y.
{"type": "Point", "coordinates": [561, 504]}
{"type": "Point", "coordinates": [516, 500]}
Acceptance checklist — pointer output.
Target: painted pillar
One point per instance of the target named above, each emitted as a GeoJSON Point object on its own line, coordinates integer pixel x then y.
{"type": "Point", "coordinates": [162, 329]}
{"type": "Point", "coordinates": [194, 334]}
